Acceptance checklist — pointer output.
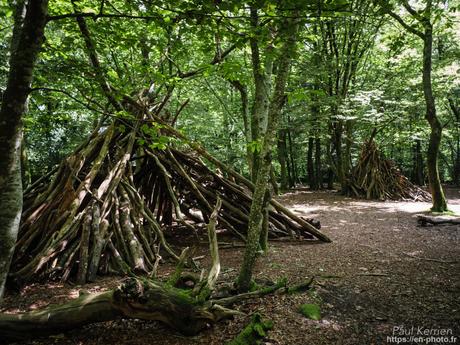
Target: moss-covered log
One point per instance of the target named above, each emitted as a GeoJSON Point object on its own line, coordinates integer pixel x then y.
{"type": "Point", "coordinates": [139, 299]}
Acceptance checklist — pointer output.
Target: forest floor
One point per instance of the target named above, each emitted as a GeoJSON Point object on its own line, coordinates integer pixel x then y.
{"type": "Point", "coordinates": [381, 274]}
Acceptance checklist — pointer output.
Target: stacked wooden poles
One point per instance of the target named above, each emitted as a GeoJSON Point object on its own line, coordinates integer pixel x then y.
{"type": "Point", "coordinates": [108, 206]}
{"type": "Point", "coordinates": [375, 177]}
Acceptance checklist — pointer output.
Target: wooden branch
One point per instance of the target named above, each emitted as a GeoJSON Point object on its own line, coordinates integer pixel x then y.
{"type": "Point", "coordinates": [423, 220]}
{"type": "Point", "coordinates": [135, 299]}
{"type": "Point", "coordinates": [226, 301]}
{"type": "Point", "coordinates": [96, 16]}
{"type": "Point", "coordinates": [176, 116]}
{"type": "Point", "coordinates": [215, 61]}
{"type": "Point", "coordinates": [430, 259]}
{"type": "Point", "coordinates": [91, 50]}
{"type": "Point", "coordinates": [409, 28]}
{"type": "Point", "coordinates": [174, 278]}
{"type": "Point", "coordinates": [213, 247]}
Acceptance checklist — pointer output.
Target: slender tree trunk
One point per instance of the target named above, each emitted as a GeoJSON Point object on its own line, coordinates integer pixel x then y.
{"type": "Point", "coordinates": [25, 166]}
{"type": "Point", "coordinates": [437, 193]}
{"type": "Point", "coordinates": [282, 154]}
{"type": "Point", "coordinates": [456, 172]}
{"type": "Point", "coordinates": [294, 175]}
{"type": "Point", "coordinates": [289, 171]}
{"type": "Point", "coordinates": [260, 188]}
{"type": "Point", "coordinates": [456, 151]}
{"type": "Point", "coordinates": [337, 142]}
{"type": "Point", "coordinates": [318, 173]}
{"type": "Point", "coordinates": [347, 153]}
{"type": "Point", "coordinates": [417, 173]}
{"type": "Point", "coordinates": [330, 170]}
{"type": "Point", "coordinates": [30, 21]}
{"type": "Point", "coordinates": [310, 165]}
{"type": "Point", "coordinates": [260, 108]}
{"type": "Point", "coordinates": [246, 122]}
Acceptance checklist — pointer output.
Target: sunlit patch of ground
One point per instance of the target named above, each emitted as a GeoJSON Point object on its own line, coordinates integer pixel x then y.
{"type": "Point", "coordinates": [381, 271]}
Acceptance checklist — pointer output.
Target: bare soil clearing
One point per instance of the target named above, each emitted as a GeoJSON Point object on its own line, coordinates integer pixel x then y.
{"type": "Point", "coordinates": [381, 271]}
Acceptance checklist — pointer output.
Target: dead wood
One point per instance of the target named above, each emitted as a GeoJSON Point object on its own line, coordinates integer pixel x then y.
{"type": "Point", "coordinates": [108, 207]}
{"type": "Point", "coordinates": [188, 311]}
{"type": "Point", "coordinates": [136, 298]}
{"type": "Point", "coordinates": [376, 177]}
{"type": "Point", "coordinates": [424, 220]}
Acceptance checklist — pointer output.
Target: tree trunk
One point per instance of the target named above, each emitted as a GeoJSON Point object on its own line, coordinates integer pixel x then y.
{"type": "Point", "coordinates": [456, 151]}
{"type": "Point", "coordinates": [27, 39]}
{"type": "Point", "coordinates": [310, 165]}
{"type": "Point", "coordinates": [417, 173]}
{"type": "Point", "coordinates": [260, 188]}
{"type": "Point", "coordinates": [260, 108]}
{"type": "Point", "coordinates": [348, 143]}
{"type": "Point", "coordinates": [246, 121]}
{"type": "Point", "coordinates": [318, 173]}
{"type": "Point", "coordinates": [282, 154]}
{"type": "Point", "coordinates": [294, 175]}
{"type": "Point", "coordinates": [439, 201]}
{"type": "Point", "coordinates": [330, 170]}
{"type": "Point", "coordinates": [337, 142]}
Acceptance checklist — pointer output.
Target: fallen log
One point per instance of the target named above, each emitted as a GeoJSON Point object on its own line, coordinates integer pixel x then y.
{"type": "Point", "coordinates": [424, 220]}
{"type": "Point", "coordinates": [134, 299]}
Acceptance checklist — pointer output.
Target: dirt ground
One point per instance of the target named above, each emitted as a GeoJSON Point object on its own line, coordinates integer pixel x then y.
{"type": "Point", "coordinates": [382, 276]}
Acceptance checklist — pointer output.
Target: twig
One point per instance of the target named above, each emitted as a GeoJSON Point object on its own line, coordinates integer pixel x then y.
{"type": "Point", "coordinates": [430, 259]}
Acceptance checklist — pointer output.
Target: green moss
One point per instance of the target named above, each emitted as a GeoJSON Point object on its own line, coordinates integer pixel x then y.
{"type": "Point", "coordinates": [311, 311]}
{"type": "Point", "coordinates": [254, 332]}
{"type": "Point", "coordinates": [445, 213]}
{"type": "Point", "coordinates": [253, 286]}
{"type": "Point", "coordinates": [307, 286]}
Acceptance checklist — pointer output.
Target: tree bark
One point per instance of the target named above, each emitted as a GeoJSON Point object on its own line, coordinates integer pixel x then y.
{"type": "Point", "coordinates": [310, 164]}
{"type": "Point", "coordinates": [256, 211]}
{"type": "Point", "coordinates": [260, 107]}
{"type": "Point", "coordinates": [294, 175]}
{"type": "Point", "coordinates": [437, 193]}
{"type": "Point", "coordinates": [456, 151]}
{"type": "Point", "coordinates": [243, 90]}
{"type": "Point", "coordinates": [282, 154]}
{"type": "Point", "coordinates": [28, 35]}
{"type": "Point", "coordinates": [417, 173]}
{"type": "Point", "coordinates": [139, 299]}
{"type": "Point", "coordinates": [318, 173]}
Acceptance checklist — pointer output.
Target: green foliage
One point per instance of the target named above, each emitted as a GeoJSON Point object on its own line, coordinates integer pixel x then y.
{"type": "Point", "coordinates": [254, 332]}
{"type": "Point", "coordinates": [255, 146]}
{"type": "Point", "coordinates": [145, 58]}
{"type": "Point", "coordinates": [311, 311]}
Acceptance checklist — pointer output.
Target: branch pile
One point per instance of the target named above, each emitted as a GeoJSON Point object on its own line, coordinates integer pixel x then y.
{"type": "Point", "coordinates": [375, 177]}
{"type": "Point", "coordinates": [109, 206]}
{"type": "Point", "coordinates": [187, 310]}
